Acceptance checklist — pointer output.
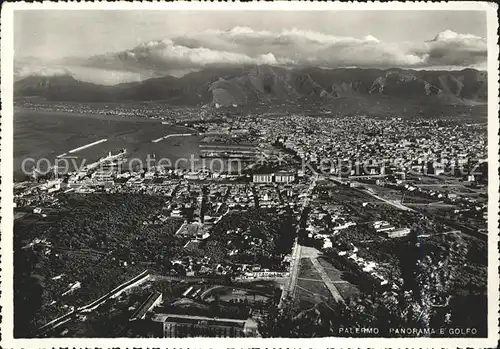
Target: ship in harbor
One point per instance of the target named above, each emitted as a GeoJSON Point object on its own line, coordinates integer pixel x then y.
{"type": "Point", "coordinates": [109, 158]}
{"type": "Point", "coordinates": [227, 150]}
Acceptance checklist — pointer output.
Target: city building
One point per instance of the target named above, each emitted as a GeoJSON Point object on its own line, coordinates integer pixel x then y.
{"type": "Point", "coordinates": [102, 176]}
{"type": "Point", "coordinates": [227, 150]}
{"type": "Point", "coordinates": [152, 301]}
{"type": "Point", "coordinates": [284, 177]}
{"type": "Point", "coordinates": [106, 172]}
{"type": "Point", "coordinates": [263, 178]}
{"type": "Point", "coordinates": [397, 233]}
{"type": "Point", "coordinates": [382, 226]}
{"type": "Point", "coordinates": [201, 326]}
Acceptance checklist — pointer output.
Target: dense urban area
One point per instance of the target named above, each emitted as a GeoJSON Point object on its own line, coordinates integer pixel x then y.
{"type": "Point", "coordinates": [329, 225]}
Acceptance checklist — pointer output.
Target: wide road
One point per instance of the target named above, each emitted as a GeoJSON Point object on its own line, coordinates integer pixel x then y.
{"type": "Point", "coordinates": [312, 253]}
{"type": "Point", "coordinates": [327, 281]}
{"type": "Point", "coordinates": [289, 289]}
{"type": "Point", "coordinates": [51, 325]}
{"type": "Point", "coordinates": [294, 274]}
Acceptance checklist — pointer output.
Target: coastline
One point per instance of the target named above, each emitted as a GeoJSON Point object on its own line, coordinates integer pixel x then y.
{"type": "Point", "coordinates": [45, 135]}
{"type": "Point", "coordinates": [110, 117]}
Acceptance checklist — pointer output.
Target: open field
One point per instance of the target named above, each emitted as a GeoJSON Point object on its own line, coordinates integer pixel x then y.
{"type": "Point", "coordinates": [311, 288]}
{"type": "Point", "coordinates": [386, 193]}
{"type": "Point", "coordinates": [310, 293]}
{"type": "Point", "coordinates": [333, 273]}
{"type": "Point", "coordinates": [232, 294]}
{"type": "Point", "coordinates": [307, 270]}
{"type": "Point", "coordinates": [345, 288]}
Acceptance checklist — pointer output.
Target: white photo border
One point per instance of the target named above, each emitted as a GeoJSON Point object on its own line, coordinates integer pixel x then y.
{"type": "Point", "coordinates": [6, 165]}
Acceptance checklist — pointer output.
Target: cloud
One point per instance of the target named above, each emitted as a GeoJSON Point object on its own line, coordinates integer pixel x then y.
{"type": "Point", "coordinates": [289, 47]}
{"type": "Point", "coordinates": [450, 48]}
{"type": "Point", "coordinates": [23, 70]}
{"type": "Point", "coordinates": [164, 56]}
{"type": "Point", "coordinates": [82, 73]}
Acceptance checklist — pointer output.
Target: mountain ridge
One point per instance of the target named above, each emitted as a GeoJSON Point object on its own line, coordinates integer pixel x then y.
{"type": "Point", "coordinates": [247, 85]}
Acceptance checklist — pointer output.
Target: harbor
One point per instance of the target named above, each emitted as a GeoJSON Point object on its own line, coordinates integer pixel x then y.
{"type": "Point", "coordinates": [74, 131]}
{"type": "Point", "coordinates": [174, 135]}
{"type": "Point", "coordinates": [88, 145]}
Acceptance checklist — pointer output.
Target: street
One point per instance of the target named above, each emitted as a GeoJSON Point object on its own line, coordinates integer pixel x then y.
{"type": "Point", "coordinates": [289, 289]}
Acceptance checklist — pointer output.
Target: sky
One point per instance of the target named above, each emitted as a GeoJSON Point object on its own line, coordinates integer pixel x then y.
{"type": "Point", "coordinates": [109, 46]}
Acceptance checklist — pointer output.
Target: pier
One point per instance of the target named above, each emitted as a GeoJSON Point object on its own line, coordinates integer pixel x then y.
{"type": "Point", "coordinates": [173, 135]}
{"type": "Point", "coordinates": [87, 146]}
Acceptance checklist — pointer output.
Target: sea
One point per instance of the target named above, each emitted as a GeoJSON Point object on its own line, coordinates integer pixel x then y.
{"type": "Point", "coordinates": [40, 136]}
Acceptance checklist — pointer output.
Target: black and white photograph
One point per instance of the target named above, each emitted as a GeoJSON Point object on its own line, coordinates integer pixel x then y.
{"type": "Point", "coordinates": [215, 170]}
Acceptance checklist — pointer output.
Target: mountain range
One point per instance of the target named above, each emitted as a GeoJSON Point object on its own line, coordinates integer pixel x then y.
{"type": "Point", "coordinates": [249, 85]}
